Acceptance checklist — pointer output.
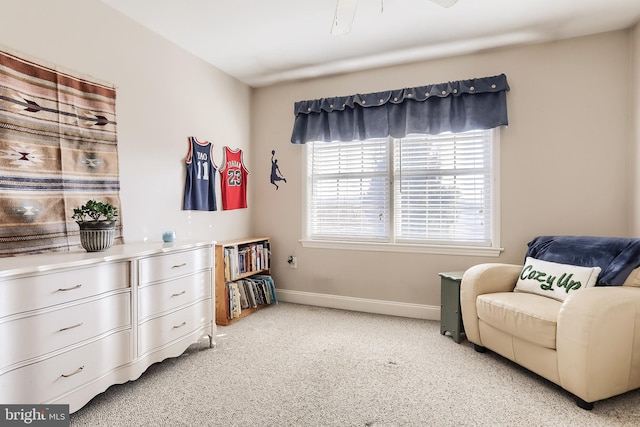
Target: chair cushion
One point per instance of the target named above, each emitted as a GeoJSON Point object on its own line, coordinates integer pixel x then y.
{"type": "Point", "coordinates": [527, 316]}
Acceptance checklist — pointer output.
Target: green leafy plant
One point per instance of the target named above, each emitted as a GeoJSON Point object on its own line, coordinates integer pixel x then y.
{"type": "Point", "coordinates": [95, 211]}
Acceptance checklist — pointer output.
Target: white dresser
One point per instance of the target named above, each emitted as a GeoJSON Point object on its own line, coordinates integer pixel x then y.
{"type": "Point", "coordinates": [74, 323]}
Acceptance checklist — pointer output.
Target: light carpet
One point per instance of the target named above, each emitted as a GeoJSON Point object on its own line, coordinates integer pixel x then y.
{"type": "Point", "coordinates": [297, 365]}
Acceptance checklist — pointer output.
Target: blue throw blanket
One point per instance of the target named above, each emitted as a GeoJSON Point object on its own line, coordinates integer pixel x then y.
{"type": "Point", "coordinates": [616, 256]}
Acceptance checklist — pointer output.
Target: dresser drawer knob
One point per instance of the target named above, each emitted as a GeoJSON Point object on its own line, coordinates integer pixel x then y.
{"type": "Point", "coordinates": [178, 294]}
{"type": "Point", "coordinates": [180, 325]}
{"type": "Point", "coordinates": [71, 327]}
{"type": "Point", "coordinates": [179, 265]}
{"type": "Point", "coordinates": [69, 289]}
{"type": "Point", "coordinates": [77, 371]}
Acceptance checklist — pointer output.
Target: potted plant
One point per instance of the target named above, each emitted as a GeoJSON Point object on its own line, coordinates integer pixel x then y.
{"type": "Point", "coordinates": [97, 225]}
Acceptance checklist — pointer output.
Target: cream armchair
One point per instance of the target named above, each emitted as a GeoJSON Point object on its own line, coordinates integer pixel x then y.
{"type": "Point", "coordinates": [589, 344]}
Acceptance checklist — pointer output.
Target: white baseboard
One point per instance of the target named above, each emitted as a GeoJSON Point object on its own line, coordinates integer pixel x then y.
{"type": "Point", "coordinates": [392, 308]}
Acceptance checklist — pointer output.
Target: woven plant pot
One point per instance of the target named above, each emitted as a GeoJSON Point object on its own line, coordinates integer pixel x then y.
{"type": "Point", "coordinates": [97, 236]}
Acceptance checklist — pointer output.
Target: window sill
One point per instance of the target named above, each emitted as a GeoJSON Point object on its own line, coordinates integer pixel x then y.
{"type": "Point", "coordinates": [399, 247]}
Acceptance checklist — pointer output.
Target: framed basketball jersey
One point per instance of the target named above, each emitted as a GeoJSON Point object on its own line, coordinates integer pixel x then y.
{"type": "Point", "coordinates": [233, 180]}
{"type": "Point", "coordinates": [200, 183]}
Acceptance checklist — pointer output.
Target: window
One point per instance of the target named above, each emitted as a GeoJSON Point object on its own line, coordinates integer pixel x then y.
{"type": "Point", "coordinates": [422, 190]}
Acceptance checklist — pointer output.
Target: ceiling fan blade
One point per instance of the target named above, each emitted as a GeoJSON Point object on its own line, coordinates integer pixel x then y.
{"type": "Point", "coordinates": [445, 3]}
{"type": "Point", "coordinates": [343, 18]}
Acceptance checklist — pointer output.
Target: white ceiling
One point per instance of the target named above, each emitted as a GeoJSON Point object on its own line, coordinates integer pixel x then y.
{"type": "Point", "coordinates": [262, 42]}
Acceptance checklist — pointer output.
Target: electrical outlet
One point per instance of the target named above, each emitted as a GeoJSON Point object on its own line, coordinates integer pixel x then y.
{"type": "Point", "coordinates": [293, 261]}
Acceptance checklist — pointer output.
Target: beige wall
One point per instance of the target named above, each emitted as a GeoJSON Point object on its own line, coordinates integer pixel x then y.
{"type": "Point", "coordinates": [634, 158]}
{"type": "Point", "coordinates": [564, 163]}
{"type": "Point", "coordinates": [164, 95]}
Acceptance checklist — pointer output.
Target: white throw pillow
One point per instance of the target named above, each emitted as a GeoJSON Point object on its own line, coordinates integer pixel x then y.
{"type": "Point", "coordinates": [554, 280]}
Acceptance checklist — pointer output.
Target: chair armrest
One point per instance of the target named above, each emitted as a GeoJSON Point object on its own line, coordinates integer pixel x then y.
{"type": "Point", "coordinates": [598, 342]}
{"type": "Point", "coordinates": [483, 279]}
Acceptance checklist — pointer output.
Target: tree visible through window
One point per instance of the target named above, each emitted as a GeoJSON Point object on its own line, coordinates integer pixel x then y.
{"type": "Point", "coordinates": [422, 189]}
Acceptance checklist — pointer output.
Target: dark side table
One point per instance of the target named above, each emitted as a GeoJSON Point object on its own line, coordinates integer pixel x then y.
{"type": "Point", "coordinates": [450, 313]}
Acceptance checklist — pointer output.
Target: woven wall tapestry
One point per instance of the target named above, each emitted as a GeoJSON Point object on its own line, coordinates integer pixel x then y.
{"type": "Point", "coordinates": [58, 149]}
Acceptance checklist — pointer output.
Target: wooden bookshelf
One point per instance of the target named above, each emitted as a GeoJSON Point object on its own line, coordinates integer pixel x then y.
{"type": "Point", "coordinates": [231, 265]}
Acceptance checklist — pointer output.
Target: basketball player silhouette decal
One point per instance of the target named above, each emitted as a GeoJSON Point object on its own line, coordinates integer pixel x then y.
{"type": "Point", "coordinates": [276, 175]}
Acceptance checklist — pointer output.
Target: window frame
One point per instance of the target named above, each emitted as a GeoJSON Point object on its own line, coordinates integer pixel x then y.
{"type": "Point", "coordinates": [442, 249]}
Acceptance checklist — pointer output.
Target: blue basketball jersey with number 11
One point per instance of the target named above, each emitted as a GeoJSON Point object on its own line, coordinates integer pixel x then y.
{"type": "Point", "coordinates": [200, 184]}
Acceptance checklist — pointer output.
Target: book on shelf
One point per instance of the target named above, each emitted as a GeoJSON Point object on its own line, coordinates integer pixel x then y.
{"type": "Point", "coordinates": [251, 298]}
{"type": "Point", "coordinates": [227, 265]}
{"type": "Point", "coordinates": [244, 302]}
{"type": "Point", "coordinates": [234, 300]}
{"type": "Point", "coordinates": [231, 263]}
{"type": "Point", "coordinates": [269, 286]}
{"type": "Point", "coordinates": [250, 292]}
{"type": "Point", "coordinates": [244, 259]}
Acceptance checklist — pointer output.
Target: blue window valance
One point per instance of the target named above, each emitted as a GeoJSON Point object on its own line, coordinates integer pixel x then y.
{"type": "Point", "coordinates": [445, 107]}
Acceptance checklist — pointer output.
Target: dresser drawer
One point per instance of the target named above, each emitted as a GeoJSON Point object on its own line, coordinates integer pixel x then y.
{"type": "Point", "coordinates": [172, 265]}
{"type": "Point", "coordinates": [162, 330]}
{"type": "Point", "coordinates": [35, 335]}
{"type": "Point", "coordinates": [47, 289]}
{"type": "Point", "coordinates": [165, 296]}
{"type": "Point", "coordinates": [41, 382]}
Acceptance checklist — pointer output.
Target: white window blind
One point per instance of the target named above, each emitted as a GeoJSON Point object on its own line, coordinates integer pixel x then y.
{"type": "Point", "coordinates": [348, 190]}
{"type": "Point", "coordinates": [426, 189]}
{"type": "Point", "coordinates": [443, 188]}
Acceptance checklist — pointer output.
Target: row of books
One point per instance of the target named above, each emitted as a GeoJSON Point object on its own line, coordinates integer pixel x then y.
{"type": "Point", "coordinates": [250, 293]}
{"type": "Point", "coordinates": [239, 260]}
